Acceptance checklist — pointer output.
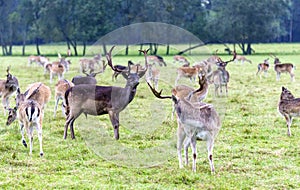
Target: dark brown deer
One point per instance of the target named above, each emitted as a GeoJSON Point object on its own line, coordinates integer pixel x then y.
{"type": "Point", "coordinates": [289, 107]}
{"type": "Point", "coordinates": [8, 87]}
{"type": "Point", "coordinates": [196, 121]}
{"type": "Point", "coordinates": [100, 100]}
{"type": "Point", "coordinates": [220, 77]}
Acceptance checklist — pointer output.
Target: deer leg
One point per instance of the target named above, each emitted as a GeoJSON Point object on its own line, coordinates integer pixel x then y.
{"type": "Point", "coordinates": [22, 133]}
{"type": "Point", "coordinates": [180, 138]}
{"type": "Point", "coordinates": [30, 137]}
{"type": "Point", "coordinates": [194, 152]}
{"type": "Point", "coordinates": [5, 103]}
{"type": "Point", "coordinates": [278, 76]}
{"type": "Point", "coordinates": [39, 131]}
{"type": "Point", "coordinates": [210, 146]}
{"type": "Point", "coordinates": [226, 88]}
{"type": "Point", "coordinates": [292, 77]}
{"type": "Point", "coordinates": [288, 124]}
{"type": "Point", "coordinates": [114, 118]}
{"type": "Point", "coordinates": [186, 150]}
{"type": "Point", "coordinates": [66, 126]}
{"type": "Point", "coordinates": [51, 76]}
{"type": "Point", "coordinates": [55, 107]}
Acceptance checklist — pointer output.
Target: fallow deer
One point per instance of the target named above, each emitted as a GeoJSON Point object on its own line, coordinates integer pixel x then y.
{"type": "Point", "coordinates": [152, 74]}
{"type": "Point", "coordinates": [89, 65]}
{"type": "Point", "coordinates": [156, 59]}
{"type": "Point", "coordinates": [240, 58]}
{"type": "Point", "coordinates": [100, 100]}
{"type": "Point", "coordinates": [187, 72]}
{"type": "Point", "coordinates": [289, 107]}
{"type": "Point", "coordinates": [220, 77]}
{"type": "Point", "coordinates": [283, 68]}
{"type": "Point", "coordinates": [196, 121]}
{"type": "Point", "coordinates": [60, 89]}
{"type": "Point", "coordinates": [182, 60]}
{"type": "Point", "coordinates": [40, 60]}
{"type": "Point", "coordinates": [8, 87]}
{"type": "Point", "coordinates": [263, 67]}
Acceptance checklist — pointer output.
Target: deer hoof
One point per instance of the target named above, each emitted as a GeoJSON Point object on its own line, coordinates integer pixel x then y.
{"type": "Point", "coordinates": [24, 143]}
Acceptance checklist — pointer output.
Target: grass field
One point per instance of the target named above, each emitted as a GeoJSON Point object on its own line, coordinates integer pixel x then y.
{"type": "Point", "coordinates": [252, 150]}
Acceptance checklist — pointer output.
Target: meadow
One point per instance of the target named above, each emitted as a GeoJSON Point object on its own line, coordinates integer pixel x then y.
{"type": "Point", "coordinates": [252, 149]}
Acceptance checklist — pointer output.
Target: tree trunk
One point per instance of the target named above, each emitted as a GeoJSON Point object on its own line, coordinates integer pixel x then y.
{"type": "Point", "coordinates": [126, 50]}
{"type": "Point", "coordinates": [168, 49]}
{"type": "Point", "coordinates": [249, 49]}
{"type": "Point", "coordinates": [37, 46]}
{"type": "Point", "coordinates": [84, 48]}
{"type": "Point", "coordinates": [141, 48]}
{"type": "Point", "coordinates": [104, 49]}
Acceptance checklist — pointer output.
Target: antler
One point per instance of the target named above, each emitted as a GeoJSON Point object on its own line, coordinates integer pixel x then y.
{"type": "Point", "coordinates": [109, 60]}
{"type": "Point", "coordinates": [158, 94]}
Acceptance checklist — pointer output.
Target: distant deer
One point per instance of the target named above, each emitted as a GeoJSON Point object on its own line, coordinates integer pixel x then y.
{"type": "Point", "coordinates": [187, 72]}
{"type": "Point", "coordinates": [40, 60]}
{"type": "Point", "coordinates": [220, 77]}
{"type": "Point", "coordinates": [100, 100]}
{"type": "Point", "coordinates": [182, 60]}
{"type": "Point", "coordinates": [119, 69]}
{"type": "Point", "coordinates": [88, 79]}
{"type": "Point", "coordinates": [263, 67]}
{"type": "Point", "coordinates": [8, 87]}
{"type": "Point", "coordinates": [89, 65]}
{"type": "Point", "coordinates": [283, 68]}
{"type": "Point", "coordinates": [196, 121]}
{"type": "Point", "coordinates": [289, 107]}
{"type": "Point", "coordinates": [156, 59]}
{"type": "Point", "coordinates": [240, 58]}
{"type": "Point", "coordinates": [152, 74]}
{"type": "Point", "coordinates": [60, 89]}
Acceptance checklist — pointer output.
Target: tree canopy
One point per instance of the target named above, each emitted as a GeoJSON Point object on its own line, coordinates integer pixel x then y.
{"type": "Point", "coordinates": [83, 22]}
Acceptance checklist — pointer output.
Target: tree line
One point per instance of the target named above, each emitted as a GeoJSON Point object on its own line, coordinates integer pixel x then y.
{"type": "Point", "coordinates": [75, 22]}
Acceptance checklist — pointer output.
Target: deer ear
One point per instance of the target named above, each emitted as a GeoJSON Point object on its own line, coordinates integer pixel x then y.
{"type": "Point", "coordinates": [283, 89]}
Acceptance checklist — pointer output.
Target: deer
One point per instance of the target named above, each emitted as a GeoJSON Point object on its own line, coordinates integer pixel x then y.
{"type": "Point", "coordinates": [100, 100]}
{"type": "Point", "coordinates": [289, 107]}
{"type": "Point", "coordinates": [191, 94]}
{"type": "Point", "coordinates": [60, 89]}
{"type": "Point", "coordinates": [263, 67]}
{"type": "Point", "coordinates": [156, 59]}
{"type": "Point", "coordinates": [89, 64]}
{"type": "Point", "coordinates": [195, 121]}
{"type": "Point", "coordinates": [240, 58]}
{"type": "Point", "coordinates": [8, 87]}
{"type": "Point", "coordinates": [119, 69]}
{"type": "Point", "coordinates": [152, 74]}
{"type": "Point", "coordinates": [188, 72]}
{"type": "Point", "coordinates": [220, 77]}
{"type": "Point", "coordinates": [283, 68]}
{"type": "Point", "coordinates": [181, 59]}
{"type": "Point", "coordinates": [40, 60]}
{"type": "Point", "coordinates": [37, 92]}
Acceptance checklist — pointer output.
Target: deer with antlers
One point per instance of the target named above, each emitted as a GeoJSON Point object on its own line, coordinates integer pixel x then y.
{"type": "Point", "coordinates": [196, 121]}
{"type": "Point", "coordinates": [100, 100]}
{"type": "Point", "coordinates": [220, 77]}
{"type": "Point", "coordinates": [8, 87]}
{"type": "Point", "coordinates": [283, 68]}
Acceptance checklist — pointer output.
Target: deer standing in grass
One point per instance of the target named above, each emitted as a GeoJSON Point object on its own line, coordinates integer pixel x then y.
{"type": "Point", "coordinates": [240, 58]}
{"type": "Point", "coordinates": [263, 67]}
{"type": "Point", "coordinates": [89, 65]}
{"type": "Point", "coordinates": [289, 107]}
{"type": "Point", "coordinates": [283, 68]}
{"type": "Point", "coordinates": [60, 89]}
{"type": "Point", "coordinates": [196, 121]}
{"type": "Point", "coordinates": [100, 100]}
{"type": "Point", "coordinates": [152, 74]}
{"type": "Point", "coordinates": [8, 87]}
{"type": "Point", "coordinates": [156, 59]}
{"type": "Point", "coordinates": [182, 60]}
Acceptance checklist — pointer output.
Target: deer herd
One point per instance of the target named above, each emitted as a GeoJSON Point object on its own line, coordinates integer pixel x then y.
{"type": "Point", "coordinates": [196, 120]}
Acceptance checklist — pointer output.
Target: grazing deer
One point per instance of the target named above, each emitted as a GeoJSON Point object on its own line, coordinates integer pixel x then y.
{"type": "Point", "coordinates": [152, 75]}
{"type": "Point", "coordinates": [263, 67]}
{"type": "Point", "coordinates": [38, 92]}
{"type": "Point", "coordinates": [289, 107]}
{"type": "Point", "coordinates": [187, 72]}
{"type": "Point", "coordinates": [90, 64]}
{"type": "Point", "coordinates": [40, 60]}
{"type": "Point", "coordinates": [30, 115]}
{"type": "Point", "coordinates": [156, 59]}
{"type": "Point", "coordinates": [8, 87]}
{"type": "Point", "coordinates": [283, 68]}
{"type": "Point", "coordinates": [100, 100]}
{"type": "Point", "coordinates": [220, 77]}
{"type": "Point", "coordinates": [60, 89]}
{"type": "Point", "coordinates": [196, 121]}
{"type": "Point", "coordinates": [182, 60]}
{"type": "Point", "coordinates": [240, 58]}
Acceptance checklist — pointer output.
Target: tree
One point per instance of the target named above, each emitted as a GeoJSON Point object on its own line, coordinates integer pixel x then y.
{"type": "Point", "coordinates": [246, 22]}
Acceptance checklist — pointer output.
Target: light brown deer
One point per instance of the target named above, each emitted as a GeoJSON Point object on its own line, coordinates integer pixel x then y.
{"type": "Point", "coordinates": [152, 75]}
{"type": "Point", "coordinates": [100, 100]}
{"type": "Point", "coordinates": [289, 107]}
{"type": "Point", "coordinates": [89, 65]}
{"type": "Point", "coordinates": [181, 59]}
{"type": "Point", "coordinates": [283, 68]}
{"type": "Point", "coordinates": [8, 87]}
{"type": "Point", "coordinates": [156, 59]}
{"type": "Point", "coordinates": [187, 72]}
{"type": "Point", "coordinates": [60, 89]}
{"type": "Point", "coordinates": [263, 67]}
{"type": "Point", "coordinates": [196, 121]}
{"type": "Point", "coordinates": [240, 58]}
{"type": "Point", "coordinates": [40, 60]}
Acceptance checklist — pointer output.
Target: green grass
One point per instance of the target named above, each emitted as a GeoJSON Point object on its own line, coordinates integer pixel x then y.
{"type": "Point", "coordinates": [252, 150]}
